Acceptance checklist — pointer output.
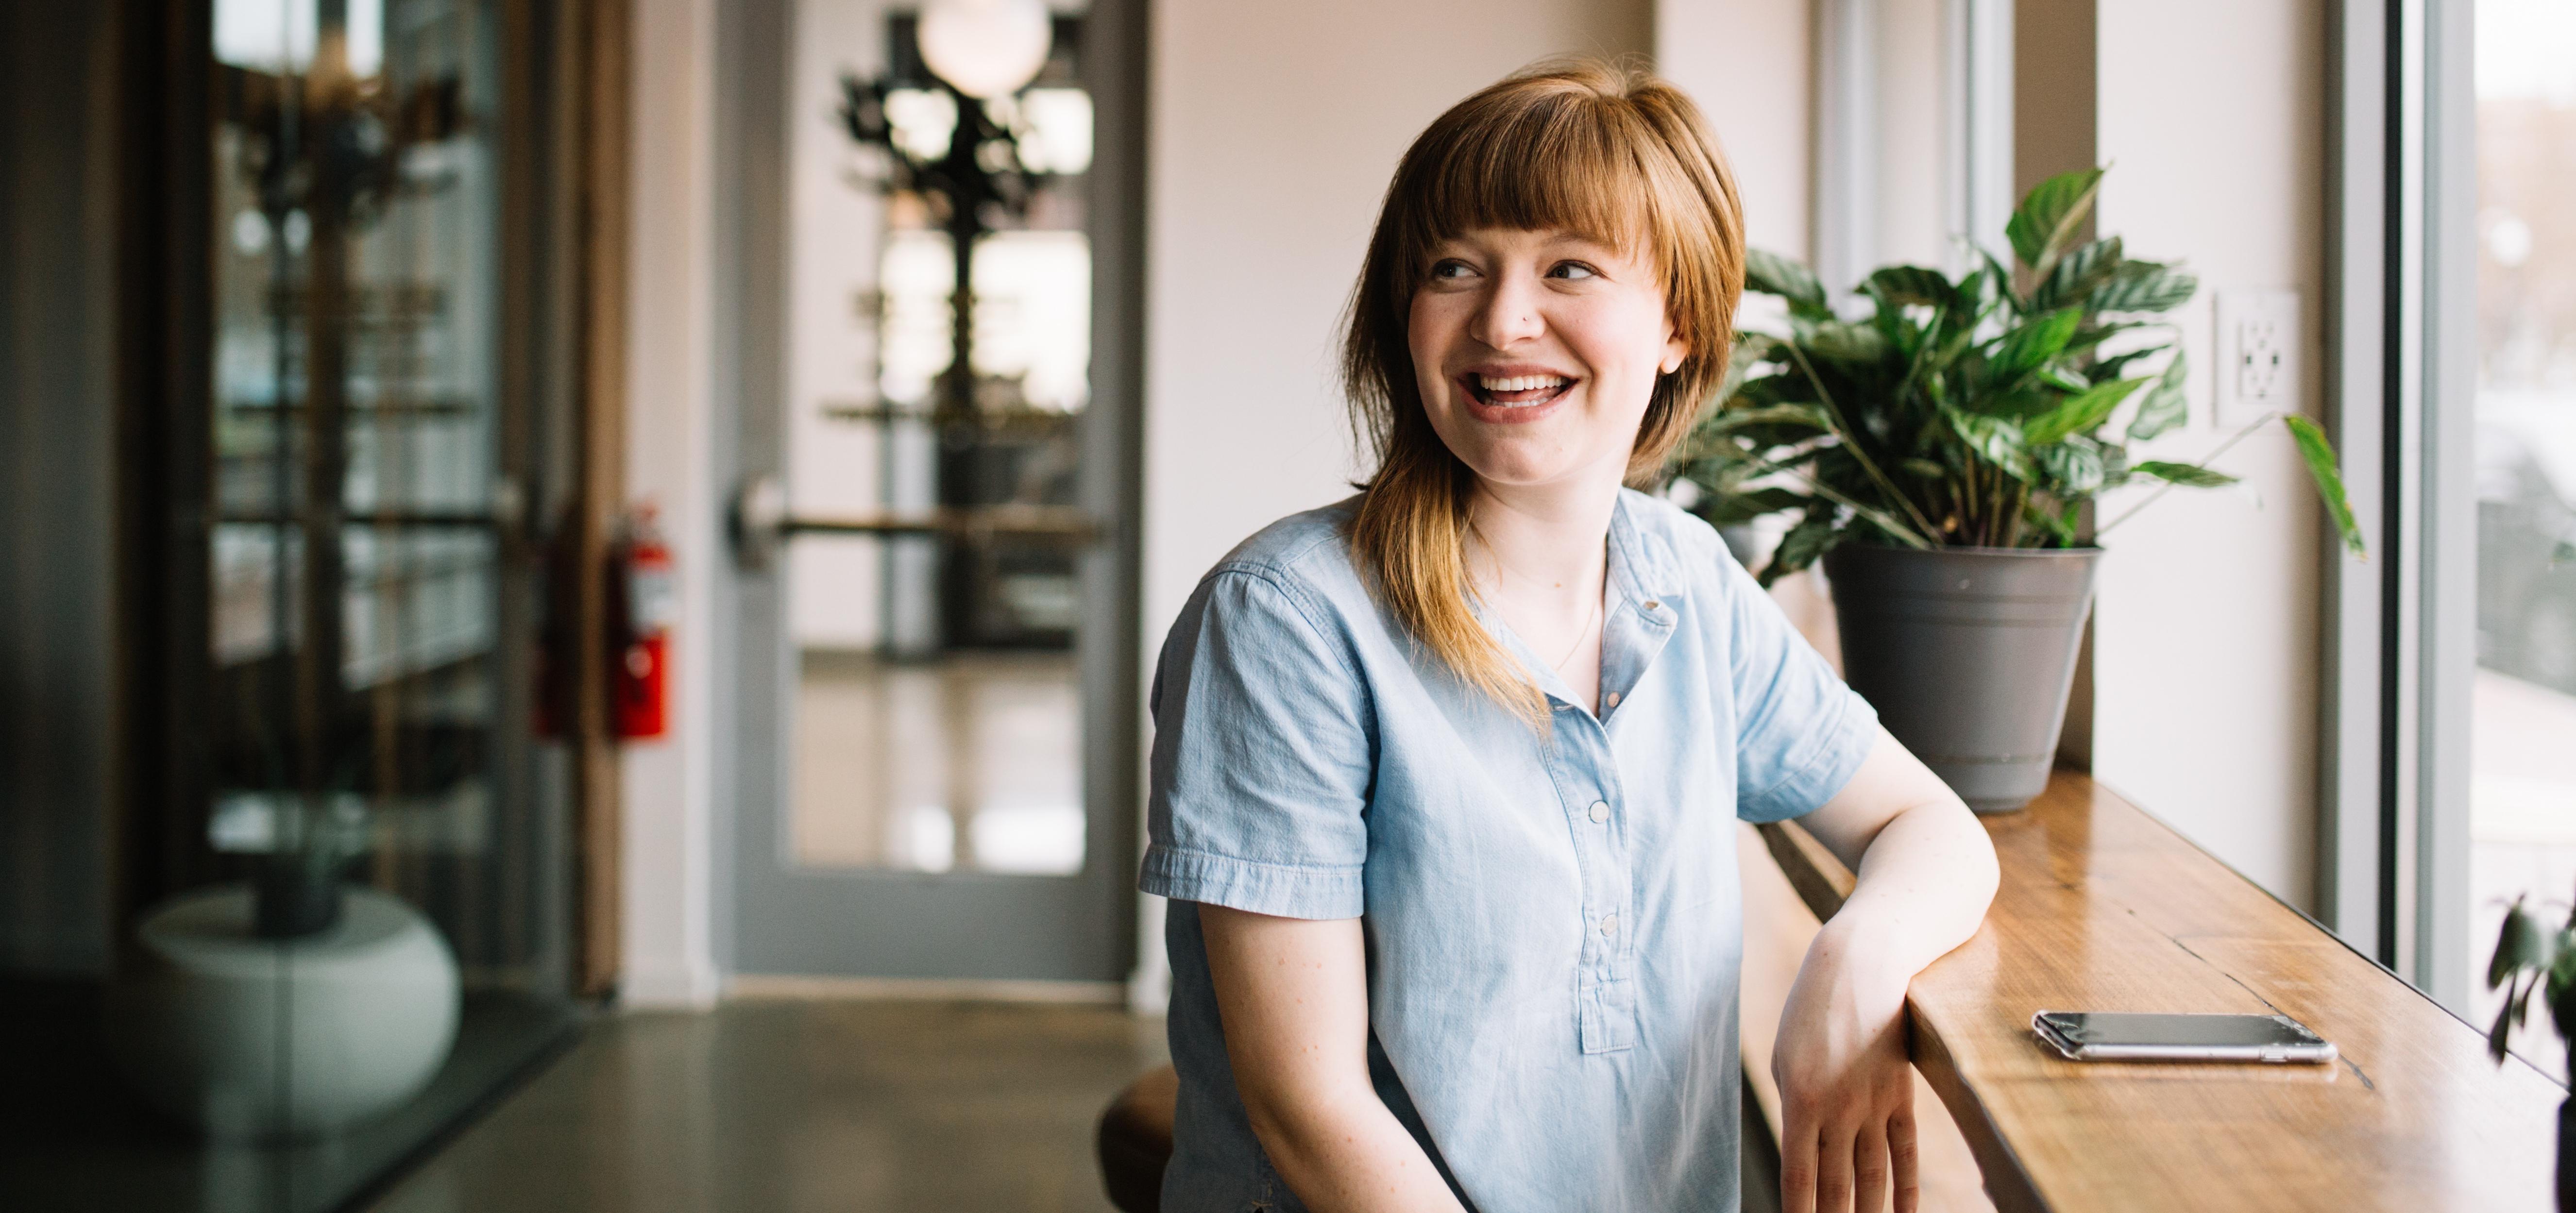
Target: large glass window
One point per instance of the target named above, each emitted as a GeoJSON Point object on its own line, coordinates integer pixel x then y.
{"type": "Point", "coordinates": [2522, 752]}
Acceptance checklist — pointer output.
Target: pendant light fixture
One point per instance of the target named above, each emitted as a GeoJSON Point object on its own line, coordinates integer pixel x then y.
{"type": "Point", "coordinates": [986, 48]}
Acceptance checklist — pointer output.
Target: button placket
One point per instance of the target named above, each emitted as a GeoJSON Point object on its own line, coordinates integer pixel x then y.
{"type": "Point", "coordinates": [1581, 762]}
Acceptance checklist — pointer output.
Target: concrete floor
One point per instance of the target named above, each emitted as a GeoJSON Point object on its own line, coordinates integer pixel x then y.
{"type": "Point", "coordinates": [803, 1105]}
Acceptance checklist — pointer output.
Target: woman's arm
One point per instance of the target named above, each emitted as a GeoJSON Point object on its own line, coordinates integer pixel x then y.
{"type": "Point", "coordinates": [1293, 994]}
{"type": "Point", "coordinates": [1926, 873]}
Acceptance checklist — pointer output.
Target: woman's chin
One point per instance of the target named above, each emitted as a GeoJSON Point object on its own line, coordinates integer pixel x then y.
{"type": "Point", "coordinates": [1518, 470]}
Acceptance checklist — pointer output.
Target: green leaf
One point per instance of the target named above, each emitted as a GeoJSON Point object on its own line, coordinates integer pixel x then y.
{"type": "Point", "coordinates": [2165, 408]}
{"type": "Point", "coordinates": [1814, 535]}
{"type": "Point", "coordinates": [2094, 332]}
{"type": "Point", "coordinates": [2498, 1035]}
{"type": "Point", "coordinates": [1736, 417]}
{"type": "Point", "coordinates": [1997, 440]}
{"type": "Point", "coordinates": [2188, 475]}
{"type": "Point", "coordinates": [2082, 413]}
{"type": "Point", "coordinates": [2145, 286]}
{"type": "Point", "coordinates": [2079, 274]}
{"type": "Point", "coordinates": [2561, 985]}
{"type": "Point", "coordinates": [1773, 274]}
{"type": "Point", "coordinates": [2049, 216]}
{"type": "Point", "coordinates": [2063, 377]}
{"type": "Point", "coordinates": [1902, 285]}
{"type": "Point", "coordinates": [2520, 945]}
{"type": "Point", "coordinates": [2024, 348]}
{"type": "Point", "coordinates": [1847, 347]}
{"type": "Point", "coordinates": [2001, 276]}
{"type": "Point", "coordinates": [2076, 467]}
{"type": "Point", "coordinates": [2320, 457]}
{"type": "Point", "coordinates": [2021, 405]}
{"type": "Point", "coordinates": [1727, 509]}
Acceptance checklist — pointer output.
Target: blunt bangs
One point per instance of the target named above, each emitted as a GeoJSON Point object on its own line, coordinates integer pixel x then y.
{"type": "Point", "coordinates": [1564, 161]}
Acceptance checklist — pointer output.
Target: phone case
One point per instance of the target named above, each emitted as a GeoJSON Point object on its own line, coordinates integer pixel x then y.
{"type": "Point", "coordinates": [2321, 1051]}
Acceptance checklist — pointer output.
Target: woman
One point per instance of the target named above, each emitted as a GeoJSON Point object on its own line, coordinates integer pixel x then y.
{"type": "Point", "coordinates": [1445, 776]}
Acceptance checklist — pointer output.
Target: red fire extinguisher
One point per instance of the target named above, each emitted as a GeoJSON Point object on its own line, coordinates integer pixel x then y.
{"type": "Point", "coordinates": [651, 599]}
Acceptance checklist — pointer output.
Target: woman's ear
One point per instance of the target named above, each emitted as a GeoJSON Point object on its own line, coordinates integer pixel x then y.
{"type": "Point", "coordinates": [1676, 351]}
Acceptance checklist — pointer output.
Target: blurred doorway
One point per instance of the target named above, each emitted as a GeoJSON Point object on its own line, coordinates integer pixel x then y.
{"type": "Point", "coordinates": [937, 570]}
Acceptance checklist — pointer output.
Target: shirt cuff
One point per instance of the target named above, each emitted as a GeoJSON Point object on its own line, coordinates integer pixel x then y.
{"type": "Point", "coordinates": [1280, 890]}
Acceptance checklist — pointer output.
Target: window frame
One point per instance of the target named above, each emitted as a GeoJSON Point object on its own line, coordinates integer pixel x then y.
{"type": "Point", "coordinates": [2400, 626]}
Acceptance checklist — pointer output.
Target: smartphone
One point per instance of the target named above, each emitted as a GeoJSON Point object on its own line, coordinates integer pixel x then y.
{"type": "Point", "coordinates": [2121, 1036]}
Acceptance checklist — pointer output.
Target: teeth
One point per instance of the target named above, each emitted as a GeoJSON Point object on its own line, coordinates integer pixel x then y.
{"type": "Point", "coordinates": [1519, 383]}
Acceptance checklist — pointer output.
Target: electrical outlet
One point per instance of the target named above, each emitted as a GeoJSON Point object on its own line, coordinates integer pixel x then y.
{"type": "Point", "coordinates": [2258, 355]}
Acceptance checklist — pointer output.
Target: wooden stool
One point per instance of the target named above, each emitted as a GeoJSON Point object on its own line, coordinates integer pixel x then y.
{"type": "Point", "coordinates": [1136, 1141]}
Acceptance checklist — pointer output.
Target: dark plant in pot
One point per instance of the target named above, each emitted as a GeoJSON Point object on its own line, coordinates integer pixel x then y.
{"type": "Point", "coordinates": [2533, 959]}
{"type": "Point", "coordinates": [1936, 445]}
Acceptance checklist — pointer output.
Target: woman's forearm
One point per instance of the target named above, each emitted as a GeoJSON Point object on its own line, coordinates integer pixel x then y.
{"type": "Point", "coordinates": [1349, 1154]}
{"type": "Point", "coordinates": [1925, 867]}
{"type": "Point", "coordinates": [1924, 885]}
{"type": "Point", "coordinates": [1294, 998]}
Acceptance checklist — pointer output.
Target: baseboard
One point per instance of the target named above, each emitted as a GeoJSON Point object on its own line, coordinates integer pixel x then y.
{"type": "Point", "coordinates": [748, 986]}
{"type": "Point", "coordinates": [668, 987]}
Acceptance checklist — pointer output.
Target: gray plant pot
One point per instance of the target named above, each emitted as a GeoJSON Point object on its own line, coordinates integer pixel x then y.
{"type": "Point", "coordinates": [1968, 654]}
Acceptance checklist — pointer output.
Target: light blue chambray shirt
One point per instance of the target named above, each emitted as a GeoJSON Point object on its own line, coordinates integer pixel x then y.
{"type": "Point", "coordinates": [1554, 926]}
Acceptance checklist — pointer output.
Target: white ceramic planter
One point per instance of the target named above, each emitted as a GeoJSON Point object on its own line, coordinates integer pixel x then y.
{"type": "Point", "coordinates": [247, 1037]}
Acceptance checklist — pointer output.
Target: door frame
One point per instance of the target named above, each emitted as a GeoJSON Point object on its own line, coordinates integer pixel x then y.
{"type": "Point", "coordinates": [749, 356]}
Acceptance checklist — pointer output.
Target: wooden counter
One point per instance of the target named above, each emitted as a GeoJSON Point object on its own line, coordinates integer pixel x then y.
{"type": "Point", "coordinates": [2104, 908]}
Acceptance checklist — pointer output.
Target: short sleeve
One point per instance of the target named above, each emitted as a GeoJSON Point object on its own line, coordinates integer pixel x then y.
{"type": "Point", "coordinates": [1263, 755]}
{"type": "Point", "coordinates": [1801, 734]}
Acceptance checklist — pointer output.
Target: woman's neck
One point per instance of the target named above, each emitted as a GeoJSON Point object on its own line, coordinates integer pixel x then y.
{"type": "Point", "coordinates": [1543, 538]}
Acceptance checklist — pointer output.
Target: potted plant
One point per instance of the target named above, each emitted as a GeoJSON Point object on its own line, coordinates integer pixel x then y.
{"type": "Point", "coordinates": [2531, 959]}
{"type": "Point", "coordinates": [1937, 449]}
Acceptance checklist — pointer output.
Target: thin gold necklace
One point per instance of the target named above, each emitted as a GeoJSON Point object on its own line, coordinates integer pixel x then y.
{"type": "Point", "coordinates": [1581, 634]}
{"type": "Point", "coordinates": [1580, 637]}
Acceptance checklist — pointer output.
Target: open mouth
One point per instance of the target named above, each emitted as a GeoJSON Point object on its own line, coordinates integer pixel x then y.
{"type": "Point", "coordinates": [1517, 391]}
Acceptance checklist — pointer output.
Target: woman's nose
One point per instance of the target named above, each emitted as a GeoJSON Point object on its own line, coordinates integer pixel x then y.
{"type": "Point", "coordinates": [1509, 313]}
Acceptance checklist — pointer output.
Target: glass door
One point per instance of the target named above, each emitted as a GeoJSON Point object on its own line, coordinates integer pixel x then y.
{"type": "Point", "coordinates": [346, 862]}
{"type": "Point", "coordinates": [933, 538]}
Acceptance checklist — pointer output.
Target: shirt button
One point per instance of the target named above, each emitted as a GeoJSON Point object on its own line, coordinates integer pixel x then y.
{"type": "Point", "coordinates": [1609, 924]}
{"type": "Point", "coordinates": [1612, 699]}
{"type": "Point", "coordinates": [1600, 810]}
{"type": "Point", "coordinates": [1653, 605]}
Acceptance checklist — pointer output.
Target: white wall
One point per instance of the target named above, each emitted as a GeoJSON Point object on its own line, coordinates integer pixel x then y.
{"type": "Point", "coordinates": [669, 955]}
{"type": "Point", "coordinates": [2205, 657]}
{"type": "Point", "coordinates": [1751, 66]}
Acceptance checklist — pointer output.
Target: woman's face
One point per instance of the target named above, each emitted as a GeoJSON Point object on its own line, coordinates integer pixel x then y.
{"type": "Point", "coordinates": [1537, 353]}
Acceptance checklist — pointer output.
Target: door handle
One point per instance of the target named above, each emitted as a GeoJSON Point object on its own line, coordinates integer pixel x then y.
{"type": "Point", "coordinates": [758, 521]}
{"type": "Point", "coordinates": [761, 522]}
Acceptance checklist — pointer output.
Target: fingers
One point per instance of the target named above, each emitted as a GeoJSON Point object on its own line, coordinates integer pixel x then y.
{"type": "Point", "coordinates": [1797, 1169]}
{"type": "Point", "coordinates": [1834, 1171]}
{"type": "Point", "coordinates": [1904, 1159]}
{"type": "Point", "coordinates": [1870, 1169]}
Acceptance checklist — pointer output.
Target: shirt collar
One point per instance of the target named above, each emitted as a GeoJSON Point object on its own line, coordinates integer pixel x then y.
{"type": "Point", "coordinates": [1642, 564]}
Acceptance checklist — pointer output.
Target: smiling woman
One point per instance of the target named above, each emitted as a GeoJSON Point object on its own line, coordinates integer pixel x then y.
{"type": "Point", "coordinates": [1618, 216]}
{"type": "Point", "coordinates": [1443, 776]}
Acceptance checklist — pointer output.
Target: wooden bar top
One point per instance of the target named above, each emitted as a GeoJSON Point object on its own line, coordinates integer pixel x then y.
{"type": "Point", "coordinates": [2104, 908]}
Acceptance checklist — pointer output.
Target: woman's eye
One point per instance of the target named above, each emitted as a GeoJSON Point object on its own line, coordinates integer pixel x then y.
{"type": "Point", "coordinates": [1449, 271]}
{"type": "Point", "coordinates": [1572, 269]}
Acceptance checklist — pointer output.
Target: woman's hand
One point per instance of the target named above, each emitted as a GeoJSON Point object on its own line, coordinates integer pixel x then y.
{"type": "Point", "coordinates": [1925, 872]}
{"type": "Point", "coordinates": [1846, 1089]}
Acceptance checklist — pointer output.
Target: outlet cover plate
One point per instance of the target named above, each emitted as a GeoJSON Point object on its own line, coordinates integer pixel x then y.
{"type": "Point", "coordinates": [2259, 341]}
